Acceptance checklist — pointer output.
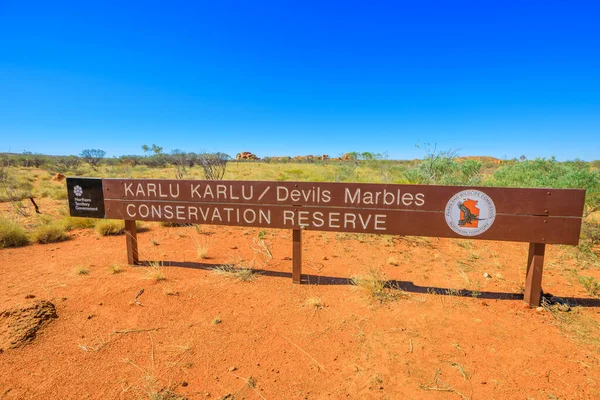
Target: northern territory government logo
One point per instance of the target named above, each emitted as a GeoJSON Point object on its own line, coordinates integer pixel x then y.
{"type": "Point", "coordinates": [78, 190]}
{"type": "Point", "coordinates": [470, 212]}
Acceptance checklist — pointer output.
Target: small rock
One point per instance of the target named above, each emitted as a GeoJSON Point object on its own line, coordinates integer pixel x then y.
{"type": "Point", "coordinates": [325, 258]}
{"type": "Point", "coordinates": [539, 309]}
{"type": "Point", "coordinates": [564, 307]}
{"type": "Point", "coordinates": [287, 258]}
{"type": "Point", "coordinates": [486, 275]}
{"type": "Point", "coordinates": [30, 296]}
{"type": "Point", "coordinates": [184, 383]}
{"type": "Point", "coordinates": [231, 369]}
{"type": "Point", "coordinates": [19, 325]}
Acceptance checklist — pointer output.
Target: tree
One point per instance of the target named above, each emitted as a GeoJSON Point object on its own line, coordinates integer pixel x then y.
{"type": "Point", "coordinates": [213, 165]}
{"type": "Point", "coordinates": [156, 149]}
{"type": "Point", "coordinates": [180, 161]}
{"type": "Point", "coordinates": [93, 157]}
{"type": "Point", "coordinates": [145, 149]}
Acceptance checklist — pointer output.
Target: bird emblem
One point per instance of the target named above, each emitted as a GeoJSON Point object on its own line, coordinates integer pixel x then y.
{"type": "Point", "coordinates": [469, 216]}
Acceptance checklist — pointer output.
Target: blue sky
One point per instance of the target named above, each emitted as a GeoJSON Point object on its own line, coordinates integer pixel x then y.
{"type": "Point", "coordinates": [503, 79]}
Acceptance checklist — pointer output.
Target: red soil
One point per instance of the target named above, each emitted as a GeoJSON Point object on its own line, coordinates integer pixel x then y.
{"type": "Point", "coordinates": [484, 345]}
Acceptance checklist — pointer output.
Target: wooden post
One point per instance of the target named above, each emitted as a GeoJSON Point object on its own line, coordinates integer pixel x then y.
{"type": "Point", "coordinates": [297, 256]}
{"type": "Point", "coordinates": [132, 244]}
{"type": "Point", "coordinates": [535, 266]}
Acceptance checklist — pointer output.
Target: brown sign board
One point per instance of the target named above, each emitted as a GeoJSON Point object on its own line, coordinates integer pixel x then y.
{"type": "Point", "coordinates": [523, 215]}
{"type": "Point", "coordinates": [537, 216]}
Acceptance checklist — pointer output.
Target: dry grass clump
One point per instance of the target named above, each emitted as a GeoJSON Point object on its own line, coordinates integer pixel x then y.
{"type": "Point", "coordinates": [12, 234]}
{"type": "Point", "coordinates": [576, 323]}
{"type": "Point", "coordinates": [166, 394]}
{"type": "Point", "coordinates": [155, 272]}
{"type": "Point", "coordinates": [50, 233]}
{"type": "Point", "coordinates": [71, 223]}
{"type": "Point", "coordinates": [170, 224]}
{"type": "Point", "coordinates": [115, 269]}
{"type": "Point", "coordinates": [314, 303]}
{"type": "Point", "coordinates": [110, 227]}
{"type": "Point", "coordinates": [242, 273]}
{"type": "Point", "coordinates": [202, 248]}
{"type": "Point", "coordinates": [374, 283]}
{"type": "Point", "coordinates": [81, 270]}
{"type": "Point", "coordinates": [591, 285]}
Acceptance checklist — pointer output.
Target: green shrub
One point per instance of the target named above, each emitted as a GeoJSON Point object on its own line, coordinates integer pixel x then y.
{"type": "Point", "coordinates": [109, 227]}
{"type": "Point", "coordinates": [50, 233]}
{"type": "Point", "coordinates": [442, 168]}
{"type": "Point", "coordinates": [12, 235]}
{"type": "Point", "coordinates": [543, 172]}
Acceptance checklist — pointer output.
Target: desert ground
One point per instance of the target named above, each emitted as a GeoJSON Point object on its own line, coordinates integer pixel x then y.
{"type": "Point", "coordinates": [212, 314]}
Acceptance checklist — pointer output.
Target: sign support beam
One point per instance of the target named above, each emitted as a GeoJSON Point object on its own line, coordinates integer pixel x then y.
{"type": "Point", "coordinates": [297, 256]}
{"type": "Point", "coordinates": [132, 243]}
{"type": "Point", "coordinates": [535, 266]}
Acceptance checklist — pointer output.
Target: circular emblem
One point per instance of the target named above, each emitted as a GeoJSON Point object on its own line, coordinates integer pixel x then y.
{"type": "Point", "coordinates": [78, 190]}
{"type": "Point", "coordinates": [470, 212]}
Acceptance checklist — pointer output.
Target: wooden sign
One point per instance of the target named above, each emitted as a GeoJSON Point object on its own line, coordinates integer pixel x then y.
{"type": "Point", "coordinates": [539, 216]}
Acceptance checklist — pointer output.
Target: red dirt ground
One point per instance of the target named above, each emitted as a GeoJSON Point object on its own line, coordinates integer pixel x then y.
{"type": "Point", "coordinates": [428, 343]}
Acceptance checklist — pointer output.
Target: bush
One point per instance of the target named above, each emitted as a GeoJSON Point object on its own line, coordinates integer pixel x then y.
{"type": "Point", "coordinates": [71, 223]}
{"type": "Point", "coordinates": [109, 227]}
{"type": "Point", "coordinates": [51, 233]}
{"type": "Point", "coordinates": [63, 164]}
{"type": "Point", "coordinates": [12, 235]}
{"type": "Point", "coordinates": [590, 230]}
{"type": "Point", "coordinates": [543, 172]}
{"type": "Point", "coordinates": [14, 186]}
{"type": "Point", "coordinates": [442, 168]}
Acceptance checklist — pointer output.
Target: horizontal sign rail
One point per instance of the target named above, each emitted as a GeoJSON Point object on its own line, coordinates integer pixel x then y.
{"type": "Point", "coordinates": [551, 230]}
{"type": "Point", "coordinates": [518, 201]}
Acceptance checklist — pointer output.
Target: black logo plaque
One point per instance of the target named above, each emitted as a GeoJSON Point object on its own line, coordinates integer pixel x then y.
{"type": "Point", "coordinates": [86, 197]}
